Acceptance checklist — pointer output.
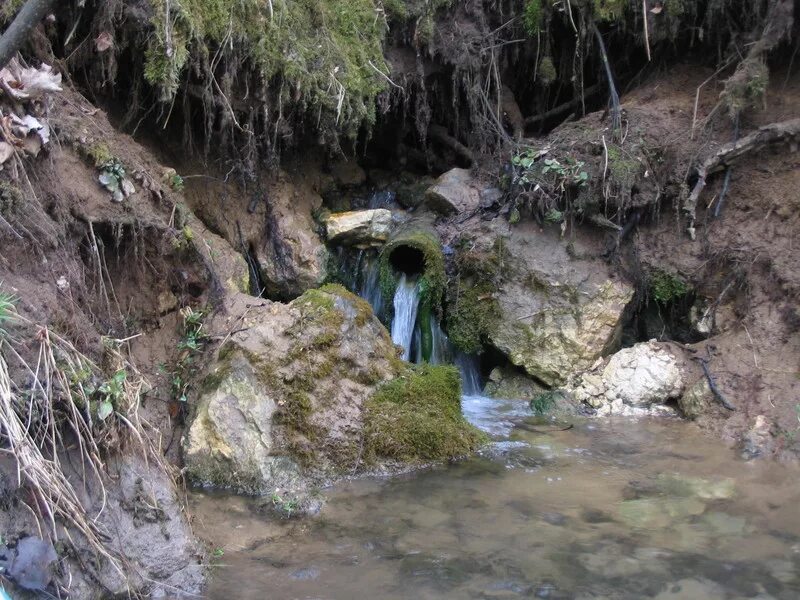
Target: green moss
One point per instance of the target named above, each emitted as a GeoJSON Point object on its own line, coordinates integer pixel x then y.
{"type": "Point", "coordinates": [623, 168]}
{"type": "Point", "coordinates": [609, 10]}
{"type": "Point", "coordinates": [666, 287]}
{"type": "Point", "coordinates": [99, 154]}
{"type": "Point", "coordinates": [11, 198]}
{"type": "Point", "coordinates": [532, 17]}
{"type": "Point", "coordinates": [417, 417]}
{"type": "Point", "coordinates": [547, 71]}
{"type": "Point", "coordinates": [320, 49]}
{"type": "Point", "coordinates": [433, 280]}
{"type": "Point", "coordinates": [472, 308]}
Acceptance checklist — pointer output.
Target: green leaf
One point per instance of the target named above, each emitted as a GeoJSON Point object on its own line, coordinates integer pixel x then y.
{"type": "Point", "coordinates": [105, 410]}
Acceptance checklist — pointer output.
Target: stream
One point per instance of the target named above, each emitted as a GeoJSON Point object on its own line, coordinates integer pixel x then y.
{"type": "Point", "coordinates": [615, 509]}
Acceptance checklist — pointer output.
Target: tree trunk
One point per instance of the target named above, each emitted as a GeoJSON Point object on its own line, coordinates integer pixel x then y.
{"type": "Point", "coordinates": [20, 29]}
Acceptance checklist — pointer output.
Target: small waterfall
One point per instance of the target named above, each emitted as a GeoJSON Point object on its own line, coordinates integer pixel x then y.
{"type": "Point", "coordinates": [406, 303]}
{"type": "Point", "coordinates": [370, 288]}
{"type": "Point", "coordinates": [470, 374]}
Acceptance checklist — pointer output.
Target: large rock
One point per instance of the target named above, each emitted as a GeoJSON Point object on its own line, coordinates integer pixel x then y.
{"type": "Point", "coordinates": [454, 192]}
{"type": "Point", "coordinates": [557, 314]}
{"type": "Point", "coordinates": [639, 377]}
{"type": "Point", "coordinates": [361, 228]}
{"type": "Point", "coordinates": [303, 393]}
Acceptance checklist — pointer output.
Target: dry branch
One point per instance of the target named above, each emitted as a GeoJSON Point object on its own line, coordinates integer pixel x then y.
{"type": "Point", "coordinates": [729, 154]}
{"type": "Point", "coordinates": [439, 133]}
{"type": "Point", "coordinates": [20, 29]}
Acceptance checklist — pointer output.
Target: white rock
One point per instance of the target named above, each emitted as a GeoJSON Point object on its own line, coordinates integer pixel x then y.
{"type": "Point", "coordinates": [640, 377]}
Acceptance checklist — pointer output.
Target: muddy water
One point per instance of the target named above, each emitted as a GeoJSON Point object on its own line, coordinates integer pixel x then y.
{"type": "Point", "coordinates": [609, 509]}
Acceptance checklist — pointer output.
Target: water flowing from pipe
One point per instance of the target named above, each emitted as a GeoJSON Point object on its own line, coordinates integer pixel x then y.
{"type": "Point", "coordinates": [406, 303]}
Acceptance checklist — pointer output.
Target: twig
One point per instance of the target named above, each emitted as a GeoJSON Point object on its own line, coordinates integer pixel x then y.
{"type": "Point", "coordinates": [713, 385]}
{"type": "Point", "coordinates": [386, 77]}
{"type": "Point", "coordinates": [646, 32]}
{"type": "Point", "coordinates": [728, 173]}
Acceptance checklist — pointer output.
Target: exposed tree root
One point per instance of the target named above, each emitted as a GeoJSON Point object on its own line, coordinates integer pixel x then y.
{"type": "Point", "coordinates": [731, 153]}
{"type": "Point", "coordinates": [439, 134]}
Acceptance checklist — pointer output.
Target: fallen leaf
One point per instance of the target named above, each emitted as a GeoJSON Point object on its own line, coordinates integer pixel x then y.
{"type": "Point", "coordinates": [32, 144]}
{"type": "Point", "coordinates": [6, 152]}
{"type": "Point", "coordinates": [103, 42]}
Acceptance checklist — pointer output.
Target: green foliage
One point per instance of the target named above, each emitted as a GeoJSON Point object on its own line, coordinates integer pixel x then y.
{"type": "Point", "coordinates": [7, 310]}
{"type": "Point", "coordinates": [176, 182]}
{"type": "Point", "coordinates": [624, 169]}
{"type": "Point", "coordinates": [609, 10]}
{"type": "Point", "coordinates": [532, 16]}
{"type": "Point", "coordinates": [417, 417]}
{"type": "Point", "coordinates": [111, 393]}
{"type": "Point", "coordinates": [99, 154]}
{"type": "Point", "coordinates": [114, 179]}
{"type": "Point", "coordinates": [285, 506]}
{"type": "Point", "coordinates": [666, 287]}
{"type": "Point", "coordinates": [321, 50]}
{"type": "Point", "coordinates": [192, 342]}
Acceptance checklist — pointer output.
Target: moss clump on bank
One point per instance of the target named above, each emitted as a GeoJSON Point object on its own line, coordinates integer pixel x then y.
{"type": "Point", "coordinates": [666, 287]}
{"type": "Point", "coordinates": [472, 309]}
{"type": "Point", "coordinates": [321, 52]}
{"type": "Point", "coordinates": [417, 417]}
{"type": "Point", "coordinates": [433, 280]}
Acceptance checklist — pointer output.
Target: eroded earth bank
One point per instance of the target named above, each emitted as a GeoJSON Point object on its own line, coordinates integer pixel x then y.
{"type": "Point", "coordinates": [400, 299]}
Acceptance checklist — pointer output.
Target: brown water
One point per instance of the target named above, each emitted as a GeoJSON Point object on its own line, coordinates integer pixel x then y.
{"type": "Point", "coordinates": [609, 509]}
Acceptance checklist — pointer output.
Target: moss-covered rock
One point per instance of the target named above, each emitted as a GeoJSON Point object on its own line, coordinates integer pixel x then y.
{"type": "Point", "coordinates": [417, 417]}
{"type": "Point", "coordinates": [300, 393]}
{"type": "Point", "coordinates": [472, 307]}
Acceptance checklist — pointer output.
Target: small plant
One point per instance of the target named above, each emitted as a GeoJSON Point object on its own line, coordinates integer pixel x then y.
{"type": "Point", "coordinates": [176, 182]}
{"type": "Point", "coordinates": [666, 287]}
{"type": "Point", "coordinates": [554, 216]}
{"type": "Point", "coordinates": [111, 393]}
{"type": "Point", "coordinates": [192, 342]}
{"type": "Point", "coordinates": [113, 178]}
{"type": "Point", "coordinates": [570, 172]}
{"type": "Point", "coordinates": [218, 553]}
{"type": "Point", "coordinates": [283, 505]}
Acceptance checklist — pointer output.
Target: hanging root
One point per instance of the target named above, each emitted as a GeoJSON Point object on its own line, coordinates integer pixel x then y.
{"type": "Point", "coordinates": [785, 131]}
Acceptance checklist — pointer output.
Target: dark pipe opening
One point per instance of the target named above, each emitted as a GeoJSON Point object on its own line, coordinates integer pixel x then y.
{"type": "Point", "coordinates": [408, 260]}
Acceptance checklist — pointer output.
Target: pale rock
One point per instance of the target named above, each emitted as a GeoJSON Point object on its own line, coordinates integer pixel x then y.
{"type": "Point", "coordinates": [640, 377]}
{"type": "Point", "coordinates": [454, 192]}
{"type": "Point", "coordinates": [361, 228]}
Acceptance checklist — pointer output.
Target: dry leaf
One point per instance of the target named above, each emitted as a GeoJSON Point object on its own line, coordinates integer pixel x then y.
{"type": "Point", "coordinates": [6, 152]}
{"type": "Point", "coordinates": [103, 42]}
